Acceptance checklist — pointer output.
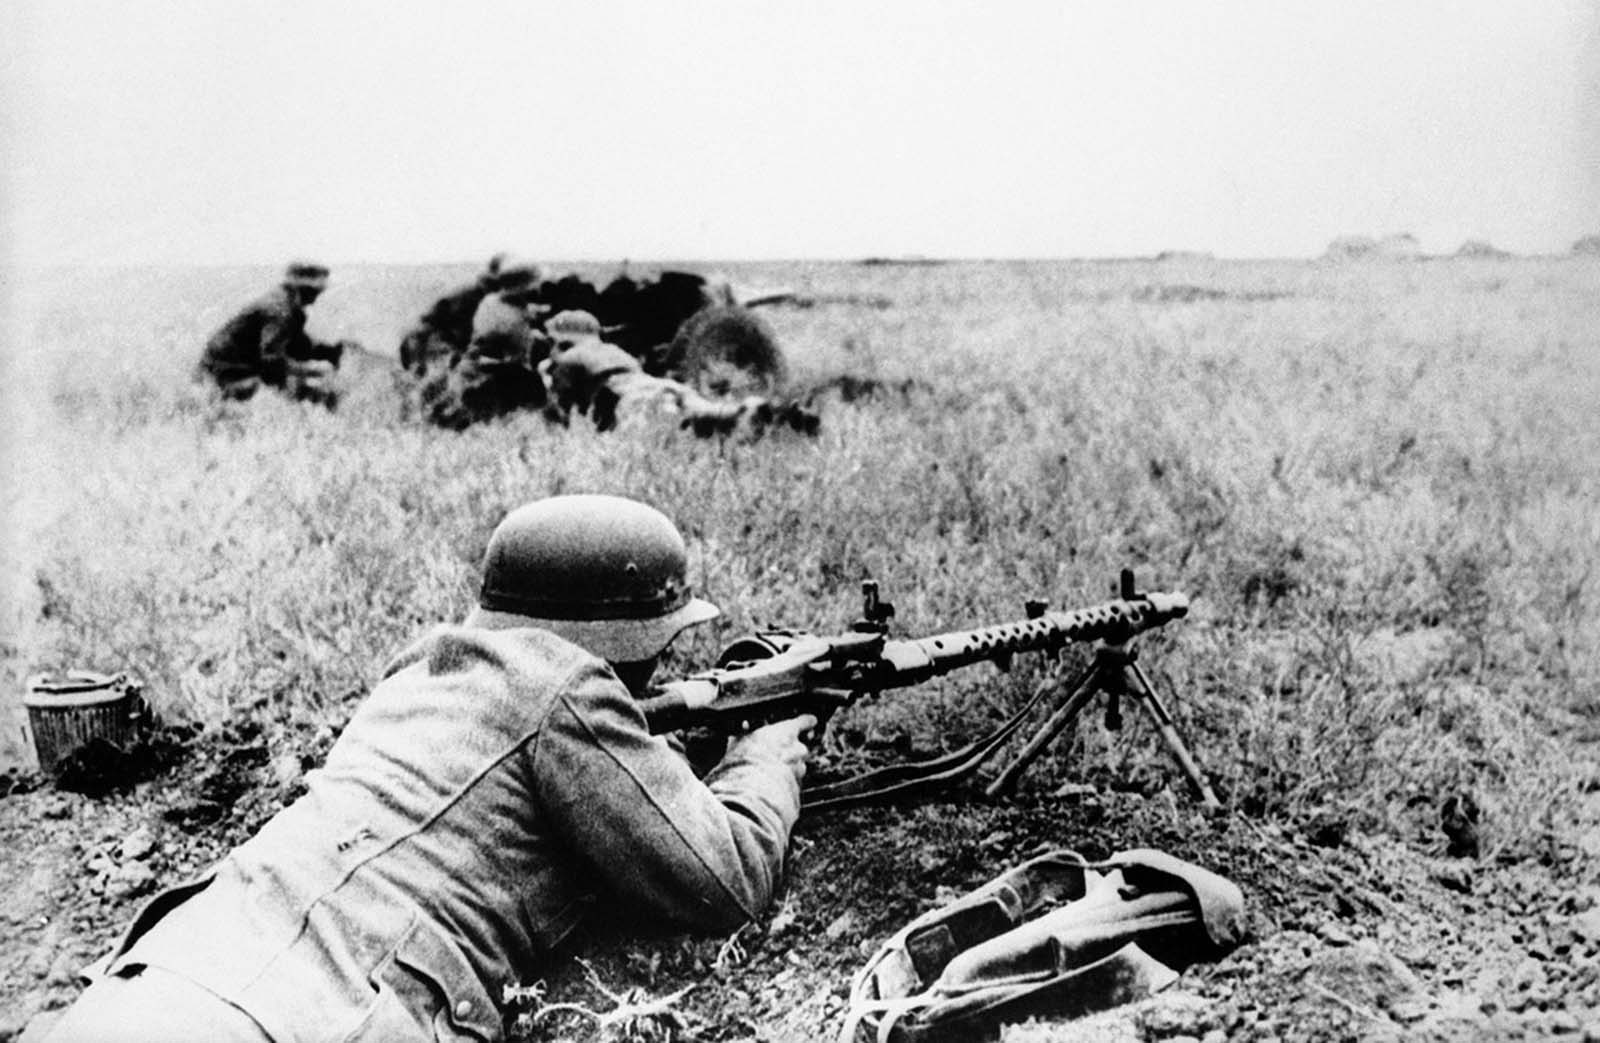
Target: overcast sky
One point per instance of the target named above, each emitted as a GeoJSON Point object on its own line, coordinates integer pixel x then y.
{"type": "Point", "coordinates": [156, 131]}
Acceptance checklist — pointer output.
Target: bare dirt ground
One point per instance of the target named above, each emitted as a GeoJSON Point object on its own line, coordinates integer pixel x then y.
{"type": "Point", "coordinates": [1353, 937]}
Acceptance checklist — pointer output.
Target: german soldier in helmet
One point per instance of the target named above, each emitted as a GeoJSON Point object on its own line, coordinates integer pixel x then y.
{"type": "Point", "coordinates": [496, 783]}
{"type": "Point", "coordinates": [498, 371]}
{"type": "Point", "coordinates": [583, 373]}
{"type": "Point", "coordinates": [266, 343]}
{"type": "Point", "coordinates": [443, 331]}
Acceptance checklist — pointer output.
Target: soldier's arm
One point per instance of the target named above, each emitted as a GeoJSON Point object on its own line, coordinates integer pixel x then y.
{"type": "Point", "coordinates": [276, 336]}
{"type": "Point", "coordinates": [706, 855]}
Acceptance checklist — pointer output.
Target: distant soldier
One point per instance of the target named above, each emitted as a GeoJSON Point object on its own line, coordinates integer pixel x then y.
{"type": "Point", "coordinates": [445, 329]}
{"type": "Point", "coordinates": [498, 372]}
{"type": "Point", "coordinates": [266, 343]}
{"type": "Point", "coordinates": [584, 374]}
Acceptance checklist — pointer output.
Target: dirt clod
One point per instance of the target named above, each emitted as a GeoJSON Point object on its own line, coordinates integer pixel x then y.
{"type": "Point", "coordinates": [1175, 1015]}
{"type": "Point", "coordinates": [137, 845]}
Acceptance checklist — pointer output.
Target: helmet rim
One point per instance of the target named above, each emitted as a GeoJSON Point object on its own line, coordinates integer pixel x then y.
{"type": "Point", "coordinates": [614, 640]}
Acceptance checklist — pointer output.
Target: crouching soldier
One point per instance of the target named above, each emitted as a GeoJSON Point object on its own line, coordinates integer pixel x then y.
{"type": "Point", "coordinates": [498, 782]}
{"type": "Point", "coordinates": [266, 343]}
{"type": "Point", "coordinates": [498, 372]}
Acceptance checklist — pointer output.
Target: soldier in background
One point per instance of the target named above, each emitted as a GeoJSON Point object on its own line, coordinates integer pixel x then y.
{"type": "Point", "coordinates": [267, 343]}
{"type": "Point", "coordinates": [641, 317]}
{"type": "Point", "coordinates": [584, 374]}
{"type": "Point", "coordinates": [498, 372]}
{"type": "Point", "coordinates": [445, 329]}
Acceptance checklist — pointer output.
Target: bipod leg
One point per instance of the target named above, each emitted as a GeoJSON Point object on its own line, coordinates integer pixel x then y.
{"type": "Point", "coordinates": [1089, 682]}
{"type": "Point", "coordinates": [1136, 684]}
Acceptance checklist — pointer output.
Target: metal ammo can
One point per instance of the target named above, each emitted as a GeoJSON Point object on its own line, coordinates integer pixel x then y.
{"type": "Point", "coordinates": [68, 710]}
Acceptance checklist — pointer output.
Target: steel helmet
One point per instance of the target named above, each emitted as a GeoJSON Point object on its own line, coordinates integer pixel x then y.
{"type": "Point", "coordinates": [306, 275]}
{"type": "Point", "coordinates": [604, 572]}
{"type": "Point", "coordinates": [515, 275]}
{"type": "Point", "coordinates": [573, 325]}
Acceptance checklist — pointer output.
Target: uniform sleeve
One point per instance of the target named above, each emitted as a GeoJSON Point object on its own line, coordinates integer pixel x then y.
{"type": "Point", "coordinates": [705, 855]}
{"type": "Point", "coordinates": [277, 333]}
{"type": "Point", "coordinates": [485, 317]}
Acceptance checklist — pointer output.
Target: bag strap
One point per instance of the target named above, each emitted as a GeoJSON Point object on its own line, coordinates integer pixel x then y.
{"type": "Point", "coordinates": [898, 780]}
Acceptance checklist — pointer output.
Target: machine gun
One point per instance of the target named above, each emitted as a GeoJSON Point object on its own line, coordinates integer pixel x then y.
{"type": "Point", "coordinates": [778, 674]}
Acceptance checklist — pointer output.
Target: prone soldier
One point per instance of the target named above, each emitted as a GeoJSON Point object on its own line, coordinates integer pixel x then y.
{"type": "Point", "coordinates": [584, 374]}
{"type": "Point", "coordinates": [497, 783]}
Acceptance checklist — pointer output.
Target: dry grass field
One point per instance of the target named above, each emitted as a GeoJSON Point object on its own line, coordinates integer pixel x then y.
{"type": "Point", "coordinates": [1378, 482]}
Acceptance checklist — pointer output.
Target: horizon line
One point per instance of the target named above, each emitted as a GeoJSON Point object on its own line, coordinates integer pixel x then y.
{"type": "Point", "coordinates": [869, 260]}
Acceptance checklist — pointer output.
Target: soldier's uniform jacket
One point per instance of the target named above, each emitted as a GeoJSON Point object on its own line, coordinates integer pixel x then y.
{"type": "Point", "coordinates": [490, 786]}
{"type": "Point", "coordinates": [260, 340]}
{"type": "Point", "coordinates": [451, 315]}
{"type": "Point", "coordinates": [445, 329]}
{"type": "Point", "coordinates": [575, 372]}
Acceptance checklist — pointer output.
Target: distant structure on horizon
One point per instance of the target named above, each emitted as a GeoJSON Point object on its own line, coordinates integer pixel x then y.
{"type": "Point", "coordinates": [1588, 246]}
{"type": "Point", "coordinates": [1402, 246]}
{"type": "Point", "coordinates": [1481, 249]}
{"type": "Point", "coordinates": [913, 260]}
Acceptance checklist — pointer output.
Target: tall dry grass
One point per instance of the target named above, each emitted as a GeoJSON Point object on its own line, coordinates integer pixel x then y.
{"type": "Point", "coordinates": [1377, 482]}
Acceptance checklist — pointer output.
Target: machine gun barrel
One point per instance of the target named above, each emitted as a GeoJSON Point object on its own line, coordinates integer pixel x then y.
{"type": "Point", "coordinates": [810, 674]}
{"type": "Point", "coordinates": [1115, 622]}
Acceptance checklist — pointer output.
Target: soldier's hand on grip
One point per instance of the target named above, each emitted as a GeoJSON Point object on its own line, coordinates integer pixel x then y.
{"type": "Point", "coordinates": [784, 742]}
